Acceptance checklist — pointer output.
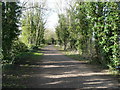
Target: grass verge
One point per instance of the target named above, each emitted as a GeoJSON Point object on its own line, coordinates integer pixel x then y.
{"type": "Point", "coordinates": [72, 54]}
{"type": "Point", "coordinates": [76, 56]}
{"type": "Point", "coordinates": [16, 75]}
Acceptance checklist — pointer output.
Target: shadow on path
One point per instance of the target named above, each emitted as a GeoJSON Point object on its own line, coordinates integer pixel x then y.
{"type": "Point", "coordinates": [60, 71]}
{"type": "Point", "coordinates": [56, 70]}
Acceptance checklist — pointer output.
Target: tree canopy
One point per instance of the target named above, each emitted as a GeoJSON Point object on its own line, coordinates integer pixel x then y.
{"type": "Point", "coordinates": [92, 28]}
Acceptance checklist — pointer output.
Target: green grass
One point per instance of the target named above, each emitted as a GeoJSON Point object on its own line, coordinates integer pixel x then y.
{"type": "Point", "coordinates": [42, 45]}
{"type": "Point", "coordinates": [13, 73]}
{"type": "Point", "coordinates": [72, 54]}
{"type": "Point", "coordinates": [78, 57]}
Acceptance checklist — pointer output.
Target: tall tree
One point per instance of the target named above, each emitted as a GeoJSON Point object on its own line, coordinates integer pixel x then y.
{"type": "Point", "coordinates": [63, 30]}
{"type": "Point", "coordinates": [1, 56]}
{"type": "Point", "coordinates": [94, 25]}
{"type": "Point", "coordinates": [33, 26]}
{"type": "Point", "coordinates": [11, 12]}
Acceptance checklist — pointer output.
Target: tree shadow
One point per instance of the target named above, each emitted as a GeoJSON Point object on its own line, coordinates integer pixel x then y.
{"type": "Point", "coordinates": [56, 71]}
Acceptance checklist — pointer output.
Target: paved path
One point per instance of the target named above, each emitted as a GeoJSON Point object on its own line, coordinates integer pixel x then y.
{"type": "Point", "coordinates": [58, 71]}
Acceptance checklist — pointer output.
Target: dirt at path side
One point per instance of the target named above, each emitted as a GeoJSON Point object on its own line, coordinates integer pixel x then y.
{"type": "Point", "coordinates": [59, 71]}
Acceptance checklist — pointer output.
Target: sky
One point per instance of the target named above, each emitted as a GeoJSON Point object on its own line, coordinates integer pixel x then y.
{"type": "Point", "coordinates": [52, 19]}
{"type": "Point", "coordinates": [52, 13]}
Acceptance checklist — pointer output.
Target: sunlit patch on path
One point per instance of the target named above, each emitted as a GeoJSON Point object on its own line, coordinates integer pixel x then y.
{"type": "Point", "coordinates": [59, 71]}
{"type": "Point", "coordinates": [53, 54]}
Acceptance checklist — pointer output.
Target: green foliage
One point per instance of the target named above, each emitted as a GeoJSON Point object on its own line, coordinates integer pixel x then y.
{"type": "Point", "coordinates": [10, 22]}
{"type": "Point", "coordinates": [17, 48]}
{"type": "Point", "coordinates": [33, 27]}
{"type": "Point", "coordinates": [93, 29]}
{"type": "Point", "coordinates": [49, 34]}
{"type": "Point", "coordinates": [62, 30]}
{"type": "Point", "coordinates": [1, 55]}
{"type": "Point", "coordinates": [105, 27]}
{"type": "Point", "coordinates": [13, 44]}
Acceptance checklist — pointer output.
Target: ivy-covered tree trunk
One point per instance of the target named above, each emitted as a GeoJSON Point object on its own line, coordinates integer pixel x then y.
{"type": "Point", "coordinates": [1, 55]}
{"type": "Point", "coordinates": [96, 28]}
{"type": "Point", "coordinates": [33, 27]}
{"type": "Point", "coordinates": [10, 22]}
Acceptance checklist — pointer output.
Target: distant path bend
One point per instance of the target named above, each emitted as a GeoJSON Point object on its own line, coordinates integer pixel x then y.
{"type": "Point", "coordinates": [59, 71]}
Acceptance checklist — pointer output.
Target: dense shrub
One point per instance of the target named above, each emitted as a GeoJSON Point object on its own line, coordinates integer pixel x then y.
{"type": "Point", "coordinates": [34, 47]}
{"type": "Point", "coordinates": [1, 55]}
{"type": "Point", "coordinates": [16, 49]}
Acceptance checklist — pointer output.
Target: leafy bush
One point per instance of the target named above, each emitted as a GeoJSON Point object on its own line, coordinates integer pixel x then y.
{"type": "Point", "coordinates": [1, 55]}
{"type": "Point", "coordinates": [35, 47]}
{"type": "Point", "coordinates": [16, 49]}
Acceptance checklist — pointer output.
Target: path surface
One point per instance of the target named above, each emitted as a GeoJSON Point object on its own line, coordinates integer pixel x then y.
{"type": "Point", "coordinates": [58, 71]}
